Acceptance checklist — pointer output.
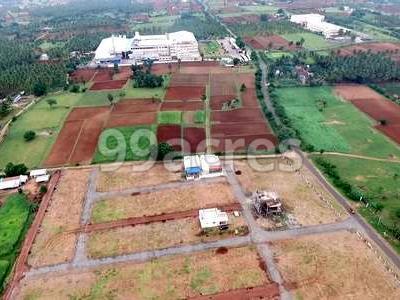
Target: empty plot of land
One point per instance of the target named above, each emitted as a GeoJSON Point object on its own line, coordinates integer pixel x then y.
{"type": "Point", "coordinates": [333, 266]}
{"type": "Point", "coordinates": [167, 201]}
{"type": "Point", "coordinates": [171, 134]}
{"type": "Point", "coordinates": [130, 119]}
{"type": "Point", "coordinates": [356, 92]}
{"type": "Point", "coordinates": [51, 245]}
{"type": "Point", "coordinates": [193, 275]}
{"type": "Point", "coordinates": [157, 235]}
{"type": "Point", "coordinates": [223, 84]}
{"type": "Point", "coordinates": [108, 85]}
{"type": "Point", "coordinates": [261, 42]}
{"type": "Point", "coordinates": [77, 140]}
{"type": "Point", "coordinates": [241, 115]}
{"type": "Point", "coordinates": [136, 105]}
{"type": "Point", "coordinates": [250, 18]}
{"type": "Point", "coordinates": [235, 129]}
{"type": "Point", "coordinates": [249, 98]}
{"type": "Point", "coordinates": [235, 143]}
{"type": "Point", "coordinates": [185, 93]}
{"type": "Point", "coordinates": [182, 105]}
{"type": "Point", "coordinates": [194, 140]}
{"type": "Point", "coordinates": [132, 175]}
{"type": "Point", "coordinates": [103, 75]}
{"type": "Point", "coordinates": [299, 198]}
{"type": "Point", "coordinates": [83, 75]}
{"type": "Point", "coordinates": [189, 80]}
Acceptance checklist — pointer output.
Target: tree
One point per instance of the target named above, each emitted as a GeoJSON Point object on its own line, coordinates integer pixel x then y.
{"type": "Point", "coordinates": [240, 43]}
{"type": "Point", "coordinates": [15, 170]}
{"type": "Point", "coordinates": [51, 102]}
{"type": "Point", "coordinates": [5, 107]}
{"type": "Point", "coordinates": [243, 87]}
{"type": "Point", "coordinates": [302, 41]}
{"type": "Point", "coordinates": [236, 61]}
{"type": "Point", "coordinates": [163, 149]}
{"type": "Point", "coordinates": [203, 97]}
{"type": "Point", "coordinates": [264, 18]}
{"type": "Point", "coordinates": [29, 135]}
{"type": "Point", "coordinates": [122, 94]}
{"type": "Point", "coordinates": [116, 68]}
{"type": "Point", "coordinates": [110, 98]}
{"type": "Point", "coordinates": [75, 89]}
{"type": "Point", "coordinates": [39, 89]}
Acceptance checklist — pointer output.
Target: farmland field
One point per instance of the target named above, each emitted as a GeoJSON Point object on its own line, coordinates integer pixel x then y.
{"type": "Point", "coordinates": [378, 181]}
{"type": "Point", "coordinates": [312, 41]}
{"type": "Point", "coordinates": [335, 125]}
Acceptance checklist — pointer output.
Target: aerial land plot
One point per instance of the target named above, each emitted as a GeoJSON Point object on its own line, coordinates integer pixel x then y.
{"type": "Point", "coordinates": [169, 117]}
{"type": "Point", "coordinates": [103, 75]}
{"type": "Point", "coordinates": [241, 143]}
{"type": "Point", "coordinates": [83, 75]}
{"type": "Point", "coordinates": [300, 199]}
{"type": "Point", "coordinates": [115, 144]}
{"type": "Point", "coordinates": [108, 85]}
{"type": "Point", "coordinates": [171, 134]}
{"type": "Point", "coordinates": [312, 41]}
{"type": "Point", "coordinates": [181, 80]}
{"type": "Point", "coordinates": [333, 124]}
{"type": "Point", "coordinates": [185, 93]}
{"type": "Point", "coordinates": [168, 278]}
{"type": "Point", "coordinates": [131, 119]}
{"type": "Point", "coordinates": [391, 49]}
{"type": "Point", "coordinates": [54, 244]}
{"type": "Point", "coordinates": [136, 105]}
{"type": "Point", "coordinates": [241, 115]}
{"type": "Point", "coordinates": [182, 105]}
{"type": "Point", "coordinates": [129, 176]}
{"type": "Point", "coordinates": [167, 201]}
{"type": "Point", "coordinates": [194, 140]}
{"type": "Point", "coordinates": [333, 266]}
{"type": "Point", "coordinates": [377, 181]}
{"type": "Point", "coordinates": [157, 235]}
{"type": "Point", "coordinates": [272, 42]}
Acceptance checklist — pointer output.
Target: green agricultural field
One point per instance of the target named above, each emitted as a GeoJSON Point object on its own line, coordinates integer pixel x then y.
{"type": "Point", "coordinates": [15, 215]}
{"type": "Point", "coordinates": [379, 182]}
{"type": "Point", "coordinates": [334, 126]}
{"type": "Point", "coordinates": [119, 144]}
{"type": "Point", "coordinates": [200, 117]}
{"type": "Point", "coordinates": [42, 119]}
{"type": "Point", "coordinates": [277, 54]}
{"type": "Point", "coordinates": [312, 41]}
{"type": "Point", "coordinates": [260, 9]}
{"type": "Point", "coordinates": [210, 49]}
{"type": "Point", "coordinates": [169, 117]}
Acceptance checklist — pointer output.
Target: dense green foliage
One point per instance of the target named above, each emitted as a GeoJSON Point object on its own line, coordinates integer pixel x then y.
{"type": "Point", "coordinates": [144, 78]}
{"type": "Point", "coordinates": [15, 170]}
{"type": "Point", "coordinates": [14, 218]}
{"type": "Point", "coordinates": [169, 117]}
{"type": "Point", "coordinates": [29, 135]}
{"type": "Point", "coordinates": [203, 27]}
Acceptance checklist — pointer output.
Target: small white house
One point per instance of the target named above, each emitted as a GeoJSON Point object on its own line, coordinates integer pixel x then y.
{"type": "Point", "coordinates": [12, 182]}
{"type": "Point", "coordinates": [37, 173]}
{"type": "Point", "coordinates": [212, 218]}
{"type": "Point", "coordinates": [211, 165]}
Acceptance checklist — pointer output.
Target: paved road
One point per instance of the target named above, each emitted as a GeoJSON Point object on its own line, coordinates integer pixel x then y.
{"type": "Point", "coordinates": [372, 234]}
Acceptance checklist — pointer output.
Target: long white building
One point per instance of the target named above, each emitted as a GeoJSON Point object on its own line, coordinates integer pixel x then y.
{"type": "Point", "coordinates": [166, 47]}
{"type": "Point", "coordinates": [316, 23]}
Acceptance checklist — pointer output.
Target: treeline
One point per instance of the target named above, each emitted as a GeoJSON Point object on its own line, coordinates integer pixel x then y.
{"type": "Point", "coordinates": [143, 78]}
{"type": "Point", "coordinates": [263, 28]}
{"type": "Point", "coordinates": [203, 27]}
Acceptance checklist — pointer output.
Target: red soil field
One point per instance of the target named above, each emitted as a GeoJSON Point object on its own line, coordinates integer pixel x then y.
{"type": "Point", "coordinates": [238, 129]}
{"type": "Point", "coordinates": [103, 75]}
{"type": "Point", "coordinates": [185, 93]}
{"type": "Point", "coordinates": [241, 115]}
{"type": "Point", "coordinates": [182, 105]}
{"type": "Point", "coordinates": [161, 69]}
{"type": "Point", "coordinates": [77, 140]}
{"type": "Point", "coordinates": [276, 42]}
{"type": "Point", "coordinates": [307, 4]}
{"type": "Point", "coordinates": [166, 133]}
{"type": "Point", "coordinates": [189, 80]}
{"type": "Point", "coordinates": [355, 92]}
{"type": "Point", "coordinates": [247, 78]}
{"type": "Point", "coordinates": [136, 105]}
{"type": "Point", "coordinates": [124, 73]}
{"type": "Point", "coordinates": [242, 142]}
{"type": "Point", "coordinates": [83, 75]}
{"type": "Point", "coordinates": [379, 109]}
{"type": "Point", "coordinates": [249, 98]}
{"type": "Point", "coordinates": [204, 69]}
{"type": "Point", "coordinates": [108, 85]}
{"type": "Point", "coordinates": [129, 119]}
{"type": "Point", "coordinates": [392, 49]}
{"type": "Point", "coordinates": [196, 139]}
{"type": "Point", "coordinates": [217, 101]}
{"type": "Point", "coordinates": [392, 131]}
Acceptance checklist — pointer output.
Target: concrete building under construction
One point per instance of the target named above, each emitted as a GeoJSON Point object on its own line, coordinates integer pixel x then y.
{"type": "Point", "coordinates": [267, 203]}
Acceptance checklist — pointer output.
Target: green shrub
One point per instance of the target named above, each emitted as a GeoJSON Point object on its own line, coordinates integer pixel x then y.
{"type": "Point", "coordinates": [4, 265]}
{"type": "Point", "coordinates": [29, 135]}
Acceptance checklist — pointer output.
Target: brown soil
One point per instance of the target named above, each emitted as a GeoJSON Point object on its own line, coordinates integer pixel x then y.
{"type": "Point", "coordinates": [194, 140]}
{"type": "Point", "coordinates": [182, 105]}
{"type": "Point", "coordinates": [275, 42]}
{"type": "Point", "coordinates": [185, 93]}
{"type": "Point", "coordinates": [108, 85]}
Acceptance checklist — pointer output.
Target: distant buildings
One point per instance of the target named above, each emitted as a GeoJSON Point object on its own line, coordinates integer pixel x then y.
{"type": "Point", "coordinates": [316, 23]}
{"type": "Point", "coordinates": [181, 45]}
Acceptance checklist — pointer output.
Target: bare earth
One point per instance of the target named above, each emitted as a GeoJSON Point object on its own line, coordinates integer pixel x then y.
{"type": "Point", "coordinates": [157, 235]}
{"type": "Point", "coordinates": [167, 201]}
{"type": "Point", "coordinates": [333, 266]}
{"type": "Point", "coordinates": [297, 197]}
{"type": "Point", "coordinates": [167, 278]}
{"type": "Point", "coordinates": [129, 176]}
{"type": "Point", "coordinates": [51, 245]}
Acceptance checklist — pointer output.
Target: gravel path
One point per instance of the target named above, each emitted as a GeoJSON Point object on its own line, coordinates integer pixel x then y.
{"type": "Point", "coordinates": [90, 196]}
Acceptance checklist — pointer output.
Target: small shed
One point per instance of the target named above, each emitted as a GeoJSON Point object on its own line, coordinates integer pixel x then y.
{"type": "Point", "coordinates": [212, 218]}
{"type": "Point", "coordinates": [37, 173]}
{"type": "Point", "coordinates": [43, 178]}
{"type": "Point", "coordinates": [192, 166]}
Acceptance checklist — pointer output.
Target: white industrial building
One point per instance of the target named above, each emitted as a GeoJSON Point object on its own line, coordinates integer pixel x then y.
{"type": "Point", "coordinates": [316, 23]}
{"type": "Point", "coordinates": [12, 182]}
{"type": "Point", "coordinates": [181, 45]}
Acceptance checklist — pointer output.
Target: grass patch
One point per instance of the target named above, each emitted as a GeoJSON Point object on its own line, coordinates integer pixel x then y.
{"type": "Point", "coordinates": [336, 126]}
{"type": "Point", "coordinates": [119, 146]}
{"type": "Point", "coordinates": [312, 41]}
{"type": "Point", "coordinates": [379, 182]}
{"type": "Point", "coordinates": [277, 54]}
{"type": "Point", "coordinates": [210, 49]}
{"type": "Point", "coordinates": [42, 119]}
{"type": "Point", "coordinates": [200, 117]}
{"type": "Point", "coordinates": [169, 117]}
{"type": "Point", "coordinates": [14, 218]}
